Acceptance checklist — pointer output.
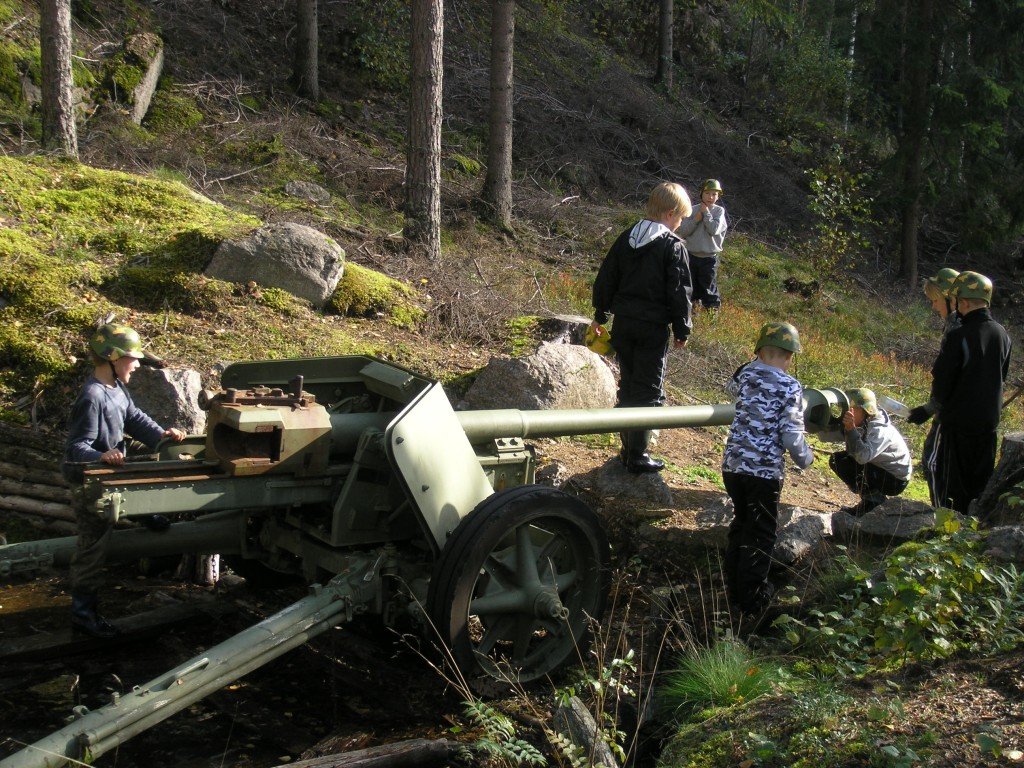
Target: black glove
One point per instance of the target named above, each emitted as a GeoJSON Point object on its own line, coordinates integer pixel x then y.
{"type": "Point", "coordinates": [918, 415]}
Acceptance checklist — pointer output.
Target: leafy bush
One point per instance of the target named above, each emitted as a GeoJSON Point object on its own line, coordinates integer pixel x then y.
{"type": "Point", "coordinates": [378, 41]}
{"type": "Point", "coordinates": [843, 212]}
{"type": "Point", "coordinates": [929, 600]}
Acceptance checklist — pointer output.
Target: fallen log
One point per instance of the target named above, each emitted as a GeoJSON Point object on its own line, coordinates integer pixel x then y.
{"type": "Point", "coordinates": [30, 457]}
{"type": "Point", "coordinates": [31, 475]}
{"type": "Point", "coordinates": [574, 721]}
{"type": "Point", "coordinates": [50, 509]}
{"type": "Point", "coordinates": [414, 753]}
{"type": "Point", "coordinates": [989, 508]}
{"type": "Point", "coordinates": [35, 490]}
{"type": "Point", "coordinates": [31, 438]}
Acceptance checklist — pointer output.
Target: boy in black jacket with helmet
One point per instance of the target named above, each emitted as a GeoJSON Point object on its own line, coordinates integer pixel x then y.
{"type": "Point", "coordinates": [644, 282]}
{"type": "Point", "coordinates": [967, 398]}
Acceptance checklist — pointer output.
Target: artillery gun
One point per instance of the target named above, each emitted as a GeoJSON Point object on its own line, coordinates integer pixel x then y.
{"type": "Point", "coordinates": [359, 476]}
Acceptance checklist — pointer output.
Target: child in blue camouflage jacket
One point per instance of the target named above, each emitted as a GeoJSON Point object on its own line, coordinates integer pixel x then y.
{"type": "Point", "coordinates": [768, 422]}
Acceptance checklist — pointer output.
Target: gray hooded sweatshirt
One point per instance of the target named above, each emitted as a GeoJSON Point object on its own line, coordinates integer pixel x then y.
{"type": "Point", "coordinates": [878, 442]}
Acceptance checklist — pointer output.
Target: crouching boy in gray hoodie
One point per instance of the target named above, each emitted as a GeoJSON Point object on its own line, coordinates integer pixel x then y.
{"type": "Point", "coordinates": [876, 462]}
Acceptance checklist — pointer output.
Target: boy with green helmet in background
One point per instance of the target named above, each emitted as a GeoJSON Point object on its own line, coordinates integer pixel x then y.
{"type": "Point", "coordinates": [100, 418]}
{"type": "Point", "coordinates": [704, 231]}
{"type": "Point", "coordinates": [966, 398]}
{"type": "Point", "coordinates": [937, 289]}
{"type": "Point", "coordinates": [877, 461]}
{"type": "Point", "coordinates": [768, 423]}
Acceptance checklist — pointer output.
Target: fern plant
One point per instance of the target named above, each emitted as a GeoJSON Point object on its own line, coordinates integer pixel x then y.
{"type": "Point", "coordinates": [500, 740]}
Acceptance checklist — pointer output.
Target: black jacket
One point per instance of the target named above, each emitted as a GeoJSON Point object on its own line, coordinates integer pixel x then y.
{"type": "Point", "coordinates": [650, 283]}
{"type": "Point", "coordinates": [968, 375]}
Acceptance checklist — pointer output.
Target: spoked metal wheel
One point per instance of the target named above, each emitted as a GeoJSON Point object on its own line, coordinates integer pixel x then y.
{"type": "Point", "coordinates": [516, 586]}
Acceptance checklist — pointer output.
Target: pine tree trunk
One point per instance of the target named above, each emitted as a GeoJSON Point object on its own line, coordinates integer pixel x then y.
{"type": "Point", "coordinates": [57, 87]}
{"type": "Point", "coordinates": [918, 69]}
{"type": "Point", "coordinates": [498, 183]}
{"type": "Point", "coordinates": [423, 174]}
{"type": "Point", "coordinates": [851, 53]}
{"type": "Point", "coordinates": [306, 74]}
{"type": "Point", "coordinates": [664, 73]}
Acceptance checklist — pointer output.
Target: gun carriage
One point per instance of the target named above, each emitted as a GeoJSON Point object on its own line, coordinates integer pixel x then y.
{"type": "Point", "coordinates": [359, 476]}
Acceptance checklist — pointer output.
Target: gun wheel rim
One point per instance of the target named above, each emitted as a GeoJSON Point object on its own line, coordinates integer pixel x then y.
{"type": "Point", "coordinates": [518, 585]}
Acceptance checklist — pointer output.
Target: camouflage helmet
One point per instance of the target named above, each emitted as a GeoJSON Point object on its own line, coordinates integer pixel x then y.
{"type": "Point", "coordinates": [781, 335]}
{"type": "Point", "coordinates": [971, 285]}
{"type": "Point", "coordinates": [863, 398]}
{"type": "Point", "coordinates": [713, 185]}
{"type": "Point", "coordinates": [943, 280]}
{"type": "Point", "coordinates": [112, 342]}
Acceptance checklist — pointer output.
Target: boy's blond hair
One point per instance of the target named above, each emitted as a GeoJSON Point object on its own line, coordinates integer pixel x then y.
{"type": "Point", "coordinates": [932, 291]}
{"type": "Point", "coordinates": [666, 198]}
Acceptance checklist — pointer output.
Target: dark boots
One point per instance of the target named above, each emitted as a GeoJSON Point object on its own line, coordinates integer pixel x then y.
{"type": "Point", "coordinates": [634, 453]}
{"type": "Point", "coordinates": [84, 616]}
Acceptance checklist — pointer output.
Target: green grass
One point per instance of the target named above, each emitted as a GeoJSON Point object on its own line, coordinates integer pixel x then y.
{"type": "Point", "coordinates": [722, 675]}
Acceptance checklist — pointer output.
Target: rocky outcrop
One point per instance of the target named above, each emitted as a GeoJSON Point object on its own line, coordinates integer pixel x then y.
{"type": "Point", "coordinates": [555, 376]}
{"type": "Point", "coordinates": [896, 520]}
{"type": "Point", "coordinates": [292, 257]}
{"type": "Point", "coordinates": [170, 396]}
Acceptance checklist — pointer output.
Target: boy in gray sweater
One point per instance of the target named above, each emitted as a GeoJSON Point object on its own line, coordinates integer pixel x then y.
{"type": "Point", "coordinates": [704, 232]}
{"type": "Point", "coordinates": [100, 418]}
{"type": "Point", "coordinates": [877, 461]}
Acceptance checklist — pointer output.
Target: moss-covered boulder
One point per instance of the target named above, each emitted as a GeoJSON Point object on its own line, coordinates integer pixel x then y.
{"type": "Point", "coordinates": [362, 292]}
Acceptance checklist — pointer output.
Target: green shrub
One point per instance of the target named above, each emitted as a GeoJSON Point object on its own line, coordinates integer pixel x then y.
{"type": "Point", "coordinates": [928, 601]}
{"type": "Point", "coordinates": [378, 41]}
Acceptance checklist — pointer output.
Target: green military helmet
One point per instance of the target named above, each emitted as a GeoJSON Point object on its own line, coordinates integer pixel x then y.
{"type": "Point", "coordinates": [863, 398]}
{"type": "Point", "coordinates": [112, 342]}
{"type": "Point", "coordinates": [943, 280]}
{"type": "Point", "coordinates": [713, 185]}
{"type": "Point", "coordinates": [971, 285]}
{"type": "Point", "coordinates": [781, 335]}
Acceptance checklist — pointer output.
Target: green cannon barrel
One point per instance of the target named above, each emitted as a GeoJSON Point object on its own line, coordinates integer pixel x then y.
{"type": "Point", "coordinates": [480, 426]}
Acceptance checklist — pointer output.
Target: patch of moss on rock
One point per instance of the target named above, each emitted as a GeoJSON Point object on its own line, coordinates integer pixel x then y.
{"type": "Point", "coordinates": [279, 300]}
{"type": "Point", "coordinates": [522, 334]}
{"type": "Point", "coordinates": [10, 76]}
{"type": "Point", "coordinates": [362, 292]}
{"type": "Point", "coordinates": [466, 166]}
{"type": "Point", "coordinates": [172, 113]}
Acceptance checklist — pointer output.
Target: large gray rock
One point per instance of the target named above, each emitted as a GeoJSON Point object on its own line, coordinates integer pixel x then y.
{"type": "Point", "coordinates": [555, 376]}
{"type": "Point", "coordinates": [1006, 543]}
{"type": "Point", "coordinates": [647, 494]}
{"type": "Point", "coordinates": [292, 257]}
{"type": "Point", "coordinates": [800, 531]}
{"type": "Point", "coordinates": [307, 190]}
{"type": "Point", "coordinates": [145, 51]}
{"type": "Point", "coordinates": [801, 534]}
{"type": "Point", "coordinates": [897, 519]}
{"type": "Point", "coordinates": [170, 396]}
